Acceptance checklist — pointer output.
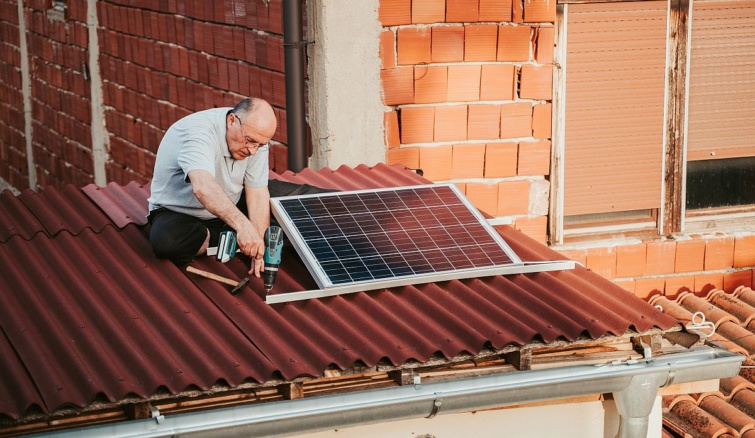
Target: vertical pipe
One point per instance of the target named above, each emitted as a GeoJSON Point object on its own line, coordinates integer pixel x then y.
{"type": "Point", "coordinates": [293, 47]}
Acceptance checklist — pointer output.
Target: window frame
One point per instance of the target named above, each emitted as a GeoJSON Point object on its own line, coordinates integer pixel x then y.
{"type": "Point", "coordinates": [672, 209]}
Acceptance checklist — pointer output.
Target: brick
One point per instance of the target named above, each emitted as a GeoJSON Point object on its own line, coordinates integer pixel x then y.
{"type": "Point", "coordinates": [516, 120]}
{"type": "Point", "coordinates": [428, 11]}
{"type": "Point", "coordinates": [497, 82]}
{"type": "Point", "coordinates": [517, 12]}
{"type": "Point", "coordinates": [417, 124]}
{"type": "Point", "coordinates": [676, 285]}
{"type": "Point", "coordinates": [719, 253]}
{"type": "Point", "coordinates": [541, 120]}
{"type": "Point", "coordinates": [484, 122]}
{"type": "Point", "coordinates": [540, 11]}
{"type": "Point", "coordinates": [500, 160]}
{"type": "Point", "coordinates": [462, 11]}
{"type": "Point", "coordinates": [578, 255]}
{"type": "Point", "coordinates": [536, 82]}
{"type": "Point", "coordinates": [468, 161]}
{"type": "Point", "coordinates": [513, 43]}
{"type": "Point", "coordinates": [398, 85]}
{"type": "Point", "coordinates": [395, 12]}
{"type": "Point", "coordinates": [447, 44]}
{"type": "Point", "coordinates": [534, 227]}
{"type": "Point", "coordinates": [631, 260]}
{"type": "Point", "coordinates": [660, 257]}
{"type": "Point", "coordinates": [463, 83]}
{"type": "Point", "coordinates": [495, 10]}
{"type": "Point", "coordinates": [430, 84]}
{"type": "Point", "coordinates": [436, 162]}
{"type": "Point", "coordinates": [391, 130]}
{"type": "Point", "coordinates": [744, 251]}
{"type": "Point", "coordinates": [388, 49]}
{"type": "Point", "coordinates": [483, 196]}
{"type": "Point", "coordinates": [413, 46]}
{"type": "Point", "coordinates": [647, 287]}
{"type": "Point", "coordinates": [733, 280]}
{"type": "Point", "coordinates": [409, 157]}
{"type": "Point", "coordinates": [627, 285]}
{"type": "Point", "coordinates": [513, 198]}
{"type": "Point", "coordinates": [450, 123]}
{"type": "Point", "coordinates": [602, 261]}
{"type": "Point", "coordinates": [690, 255]}
{"type": "Point", "coordinates": [480, 42]}
{"type": "Point", "coordinates": [705, 283]}
{"type": "Point", "coordinates": [545, 41]}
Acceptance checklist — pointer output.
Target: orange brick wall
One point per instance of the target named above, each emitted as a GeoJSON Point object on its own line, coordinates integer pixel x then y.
{"type": "Point", "coordinates": [469, 87]}
{"type": "Point", "coordinates": [696, 264]}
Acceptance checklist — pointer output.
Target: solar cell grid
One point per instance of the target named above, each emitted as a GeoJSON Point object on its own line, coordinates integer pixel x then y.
{"type": "Point", "coordinates": [369, 236]}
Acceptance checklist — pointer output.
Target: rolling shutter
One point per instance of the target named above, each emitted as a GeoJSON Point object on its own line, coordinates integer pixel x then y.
{"type": "Point", "coordinates": [721, 114]}
{"type": "Point", "coordinates": [613, 127]}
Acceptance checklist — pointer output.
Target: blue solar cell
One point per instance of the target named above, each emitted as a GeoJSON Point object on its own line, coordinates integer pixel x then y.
{"type": "Point", "coordinates": [367, 236]}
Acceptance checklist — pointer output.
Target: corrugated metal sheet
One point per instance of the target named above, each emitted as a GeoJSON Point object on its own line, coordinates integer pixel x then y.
{"type": "Point", "coordinates": [123, 204]}
{"type": "Point", "coordinates": [91, 314]}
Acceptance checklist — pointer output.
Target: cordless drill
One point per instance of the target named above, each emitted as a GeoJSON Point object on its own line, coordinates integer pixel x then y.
{"type": "Point", "coordinates": [273, 240]}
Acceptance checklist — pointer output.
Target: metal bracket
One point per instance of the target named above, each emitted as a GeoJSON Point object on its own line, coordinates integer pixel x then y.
{"type": "Point", "coordinates": [437, 403]}
{"type": "Point", "coordinates": [156, 414]}
{"type": "Point", "coordinates": [298, 44]}
{"type": "Point", "coordinates": [417, 382]}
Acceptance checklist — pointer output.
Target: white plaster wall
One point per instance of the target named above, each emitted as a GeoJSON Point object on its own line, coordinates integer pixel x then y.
{"type": "Point", "coordinates": [345, 105]}
{"type": "Point", "coordinates": [572, 420]}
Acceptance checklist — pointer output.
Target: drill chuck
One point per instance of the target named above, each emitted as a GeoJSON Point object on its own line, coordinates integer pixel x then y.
{"type": "Point", "coordinates": [273, 240]}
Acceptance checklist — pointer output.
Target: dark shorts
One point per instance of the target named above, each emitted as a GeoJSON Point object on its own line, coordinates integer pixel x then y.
{"type": "Point", "coordinates": [178, 237]}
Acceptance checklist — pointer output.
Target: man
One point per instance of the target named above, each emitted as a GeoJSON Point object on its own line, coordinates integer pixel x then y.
{"type": "Point", "coordinates": [211, 175]}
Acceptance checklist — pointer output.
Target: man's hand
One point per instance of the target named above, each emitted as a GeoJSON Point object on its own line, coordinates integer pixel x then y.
{"type": "Point", "coordinates": [214, 199]}
{"type": "Point", "coordinates": [250, 242]}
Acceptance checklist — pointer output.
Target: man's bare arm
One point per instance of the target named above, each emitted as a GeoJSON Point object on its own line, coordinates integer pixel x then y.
{"type": "Point", "coordinates": [258, 210]}
{"type": "Point", "coordinates": [214, 199]}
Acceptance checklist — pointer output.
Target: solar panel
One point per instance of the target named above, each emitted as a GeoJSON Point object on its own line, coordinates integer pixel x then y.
{"type": "Point", "coordinates": [371, 239]}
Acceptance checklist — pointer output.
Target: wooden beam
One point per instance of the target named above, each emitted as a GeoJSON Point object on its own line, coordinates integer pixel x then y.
{"type": "Point", "coordinates": [292, 390]}
{"type": "Point", "coordinates": [672, 210]}
{"type": "Point", "coordinates": [402, 377]}
{"type": "Point", "coordinates": [520, 359]}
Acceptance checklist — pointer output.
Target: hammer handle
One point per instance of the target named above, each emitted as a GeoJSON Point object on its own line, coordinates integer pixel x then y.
{"type": "Point", "coordinates": [212, 276]}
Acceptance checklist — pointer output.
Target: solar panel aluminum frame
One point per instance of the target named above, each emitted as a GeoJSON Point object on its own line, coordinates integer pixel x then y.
{"type": "Point", "coordinates": [328, 288]}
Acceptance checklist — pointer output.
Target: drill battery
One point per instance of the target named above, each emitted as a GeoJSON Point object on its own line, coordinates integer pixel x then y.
{"type": "Point", "coordinates": [226, 246]}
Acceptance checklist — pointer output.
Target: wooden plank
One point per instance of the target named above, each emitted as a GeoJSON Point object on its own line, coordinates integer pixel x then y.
{"type": "Point", "coordinates": [292, 391]}
{"type": "Point", "coordinates": [672, 210]}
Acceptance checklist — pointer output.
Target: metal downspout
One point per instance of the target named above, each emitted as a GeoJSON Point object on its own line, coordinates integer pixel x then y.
{"type": "Point", "coordinates": [293, 46]}
{"type": "Point", "coordinates": [626, 380]}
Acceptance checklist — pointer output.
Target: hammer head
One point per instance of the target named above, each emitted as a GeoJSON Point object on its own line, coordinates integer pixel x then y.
{"type": "Point", "coordinates": [242, 284]}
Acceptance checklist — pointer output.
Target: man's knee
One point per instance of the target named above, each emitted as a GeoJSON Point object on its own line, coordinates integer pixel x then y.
{"type": "Point", "coordinates": [175, 239]}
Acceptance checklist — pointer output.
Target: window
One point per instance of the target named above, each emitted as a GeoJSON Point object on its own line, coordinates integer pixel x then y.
{"type": "Point", "coordinates": [648, 142]}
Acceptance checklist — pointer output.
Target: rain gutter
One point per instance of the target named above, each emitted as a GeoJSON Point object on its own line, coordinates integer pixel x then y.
{"type": "Point", "coordinates": [634, 385]}
{"type": "Point", "coordinates": [293, 48]}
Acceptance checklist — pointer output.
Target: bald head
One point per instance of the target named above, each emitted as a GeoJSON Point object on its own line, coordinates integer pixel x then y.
{"type": "Point", "coordinates": [258, 113]}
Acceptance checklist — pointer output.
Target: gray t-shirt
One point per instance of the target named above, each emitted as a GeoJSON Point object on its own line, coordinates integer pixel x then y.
{"type": "Point", "coordinates": [197, 141]}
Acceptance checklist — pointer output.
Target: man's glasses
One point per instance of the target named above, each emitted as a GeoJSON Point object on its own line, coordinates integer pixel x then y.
{"type": "Point", "coordinates": [248, 142]}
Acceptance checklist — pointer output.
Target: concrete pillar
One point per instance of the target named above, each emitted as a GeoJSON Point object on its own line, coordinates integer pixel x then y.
{"type": "Point", "coordinates": [99, 134]}
{"type": "Point", "coordinates": [345, 104]}
{"type": "Point", "coordinates": [26, 94]}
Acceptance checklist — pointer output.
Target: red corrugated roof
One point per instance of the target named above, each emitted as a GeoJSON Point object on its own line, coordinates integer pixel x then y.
{"type": "Point", "coordinates": [87, 313]}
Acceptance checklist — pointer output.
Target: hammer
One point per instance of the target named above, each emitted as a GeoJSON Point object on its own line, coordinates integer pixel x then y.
{"type": "Point", "coordinates": [237, 285]}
